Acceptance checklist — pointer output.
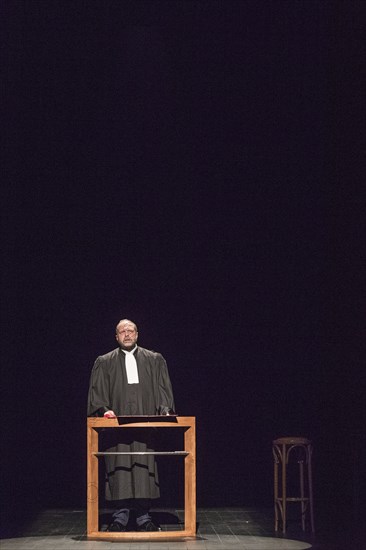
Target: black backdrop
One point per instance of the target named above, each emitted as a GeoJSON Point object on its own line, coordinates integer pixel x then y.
{"type": "Point", "coordinates": [193, 166]}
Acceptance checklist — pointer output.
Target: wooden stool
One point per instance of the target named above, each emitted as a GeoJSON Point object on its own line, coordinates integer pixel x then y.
{"type": "Point", "coordinates": [282, 449]}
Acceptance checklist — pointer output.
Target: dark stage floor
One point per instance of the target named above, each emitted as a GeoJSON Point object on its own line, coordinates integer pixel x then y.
{"type": "Point", "coordinates": [218, 529]}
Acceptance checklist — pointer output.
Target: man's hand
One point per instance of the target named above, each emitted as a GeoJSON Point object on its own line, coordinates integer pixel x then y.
{"type": "Point", "coordinates": [110, 414]}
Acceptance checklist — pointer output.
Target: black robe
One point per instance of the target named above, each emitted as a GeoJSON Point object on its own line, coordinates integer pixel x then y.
{"type": "Point", "coordinates": [130, 476]}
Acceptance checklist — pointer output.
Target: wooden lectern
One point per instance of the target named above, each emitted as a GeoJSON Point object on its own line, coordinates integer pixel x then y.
{"type": "Point", "coordinates": [188, 424]}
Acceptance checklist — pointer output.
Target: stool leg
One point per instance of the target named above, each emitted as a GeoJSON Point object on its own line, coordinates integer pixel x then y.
{"type": "Point", "coordinates": [310, 482]}
{"type": "Point", "coordinates": [284, 496]}
{"type": "Point", "coordinates": [276, 494]}
{"type": "Point", "coordinates": [301, 465]}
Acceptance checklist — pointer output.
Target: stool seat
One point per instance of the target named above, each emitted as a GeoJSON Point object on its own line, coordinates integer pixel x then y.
{"type": "Point", "coordinates": [292, 441]}
{"type": "Point", "coordinates": [284, 448]}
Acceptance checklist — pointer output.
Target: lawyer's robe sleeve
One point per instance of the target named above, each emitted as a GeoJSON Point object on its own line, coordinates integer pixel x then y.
{"type": "Point", "coordinates": [98, 397]}
{"type": "Point", "coordinates": [165, 391]}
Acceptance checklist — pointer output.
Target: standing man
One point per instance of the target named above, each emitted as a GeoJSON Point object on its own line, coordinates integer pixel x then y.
{"type": "Point", "coordinates": [130, 380]}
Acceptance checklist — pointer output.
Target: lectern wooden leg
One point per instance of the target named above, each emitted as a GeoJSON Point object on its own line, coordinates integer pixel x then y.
{"type": "Point", "coordinates": [92, 482]}
{"type": "Point", "coordinates": [190, 481]}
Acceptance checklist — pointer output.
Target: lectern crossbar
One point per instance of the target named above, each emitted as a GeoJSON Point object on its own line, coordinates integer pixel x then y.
{"type": "Point", "coordinates": [179, 453]}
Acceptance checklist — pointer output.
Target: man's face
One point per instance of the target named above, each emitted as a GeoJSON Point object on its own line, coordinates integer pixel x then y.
{"type": "Point", "coordinates": [126, 336]}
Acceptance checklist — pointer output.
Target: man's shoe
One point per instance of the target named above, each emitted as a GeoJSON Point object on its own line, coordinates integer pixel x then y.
{"type": "Point", "coordinates": [148, 526]}
{"type": "Point", "coordinates": [116, 526]}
